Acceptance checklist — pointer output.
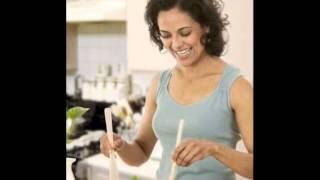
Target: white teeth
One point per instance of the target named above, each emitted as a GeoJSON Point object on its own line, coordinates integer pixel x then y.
{"type": "Point", "coordinates": [184, 52]}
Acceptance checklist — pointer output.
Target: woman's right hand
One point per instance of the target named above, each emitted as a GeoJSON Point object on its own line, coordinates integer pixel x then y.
{"type": "Point", "coordinates": [105, 145]}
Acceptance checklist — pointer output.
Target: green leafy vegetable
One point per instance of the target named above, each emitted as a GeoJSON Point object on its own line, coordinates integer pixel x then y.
{"type": "Point", "coordinates": [72, 114]}
{"type": "Point", "coordinates": [134, 178]}
{"type": "Point", "coordinates": [76, 112]}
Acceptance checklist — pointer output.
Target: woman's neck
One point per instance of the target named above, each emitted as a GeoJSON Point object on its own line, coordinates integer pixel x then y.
{"type": "Point", "coordinates": [204, 67]}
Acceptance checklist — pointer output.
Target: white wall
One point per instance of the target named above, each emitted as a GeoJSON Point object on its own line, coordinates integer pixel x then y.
{"type": "Point", "coordinates": [142, 54]}
{"type": "Point", "coordinates": [240, 46]}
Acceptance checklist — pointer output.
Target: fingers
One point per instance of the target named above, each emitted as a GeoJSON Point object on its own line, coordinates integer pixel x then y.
{"type": "Point", "coordinates": [104, 151]}
{"type": "Point", "coordinates": [187, 155]}
{"type": "Point", "coordinates": [106, 146]}
{"type": "Point", "coordinates": [183, 154]}
{"type": "Point", "coordinates": [118, 144]}
{"type": "Point", "coordinates": [190, 151]}
{"type": "Point", "coordinates": [190, 156]}
{"type": "Point", "coordinates": [179, 149]}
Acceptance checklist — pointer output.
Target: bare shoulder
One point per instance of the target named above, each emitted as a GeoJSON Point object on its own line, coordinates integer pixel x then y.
{"type": "Point", "coordinates": [152, 90]}
{"type": "Point", "coordinates": [155, 80]}
{"type": "Point", "coordinates": [241, 84]}
{"type": "Point", "coordinates": [241, 91]}
{"type": "Point", "coordinates": [155, 83]}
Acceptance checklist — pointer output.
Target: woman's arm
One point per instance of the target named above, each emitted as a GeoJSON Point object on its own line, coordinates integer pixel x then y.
{"type": "Point", "coordinates": [241, 95]}
{"type": "Point", "coordinates": [138, 151]}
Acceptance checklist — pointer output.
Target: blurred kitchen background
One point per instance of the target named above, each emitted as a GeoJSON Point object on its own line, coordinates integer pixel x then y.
{"type": "Point", "coordinates": [110, 63]}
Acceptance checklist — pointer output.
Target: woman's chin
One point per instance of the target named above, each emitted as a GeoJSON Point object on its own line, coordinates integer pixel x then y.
{"type": "Point", "coordinates": [182, 59]}
{"type": "Point", "coordinates": [184, 62]}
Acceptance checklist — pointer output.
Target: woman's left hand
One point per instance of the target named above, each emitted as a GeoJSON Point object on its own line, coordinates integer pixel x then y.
{"type": "Point", "coordinates": [193, 150]}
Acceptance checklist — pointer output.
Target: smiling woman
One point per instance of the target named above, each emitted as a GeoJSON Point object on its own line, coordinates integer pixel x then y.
{"type": "Point", "coordinates": [211, 95]}
{"type": "Point", "coordinates": [205, 14]}
{"type": "Point", "coordinates": [180, 35]}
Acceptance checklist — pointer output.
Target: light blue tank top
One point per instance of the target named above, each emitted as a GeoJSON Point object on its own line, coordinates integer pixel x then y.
{"type": "Point", "coordinates": [210, 118]}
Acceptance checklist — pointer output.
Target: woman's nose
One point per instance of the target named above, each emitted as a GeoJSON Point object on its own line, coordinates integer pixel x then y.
{"type": "Point", "coordinates": [176, 43]}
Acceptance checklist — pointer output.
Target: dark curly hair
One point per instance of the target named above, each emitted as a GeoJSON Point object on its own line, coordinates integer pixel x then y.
{"type": "Point", "coordinates": [206, 12]}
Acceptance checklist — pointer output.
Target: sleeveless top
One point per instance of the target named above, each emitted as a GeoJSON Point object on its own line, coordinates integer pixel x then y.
{"type": "Point", "coordinates": [209, 118]}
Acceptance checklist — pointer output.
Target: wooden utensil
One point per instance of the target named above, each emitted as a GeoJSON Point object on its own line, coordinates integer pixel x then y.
{"type": "Point", "coordinates": [179, 135]}
{"type": "Point", "coordinates": [113, 171]}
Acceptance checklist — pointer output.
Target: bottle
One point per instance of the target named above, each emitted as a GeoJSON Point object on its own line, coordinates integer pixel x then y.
{"type": "Point", "coordinates": [78, 82]}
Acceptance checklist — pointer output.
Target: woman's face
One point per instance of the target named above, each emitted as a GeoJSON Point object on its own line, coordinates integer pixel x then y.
{"type": "Point", "coordinates": [181, 35]}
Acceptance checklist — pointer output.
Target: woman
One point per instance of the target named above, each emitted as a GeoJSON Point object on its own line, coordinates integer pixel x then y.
{"type": "Point", "coordinates": [210, 95]}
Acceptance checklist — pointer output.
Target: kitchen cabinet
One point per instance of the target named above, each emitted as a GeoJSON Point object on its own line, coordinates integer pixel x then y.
{"type": "Point", "coordinates": [71, 47]}
{"type": "Point", "coordinates": [97, 168]}
{"type": "Point", "coordinates": [95, 10]}
{"type": "Point", "coordinates": [69, 173]}
{"type": "Point", "coordinates": [82, 14]}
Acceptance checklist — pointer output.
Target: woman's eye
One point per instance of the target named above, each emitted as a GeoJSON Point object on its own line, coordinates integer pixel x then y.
{"type": "Point", "coordinates": [165, 36]}
{"type": "Point", "coordinates": [185, 33]}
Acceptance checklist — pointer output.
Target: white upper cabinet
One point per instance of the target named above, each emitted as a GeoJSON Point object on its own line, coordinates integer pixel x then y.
{"type": "Point", "coordinates": [96, 10]}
